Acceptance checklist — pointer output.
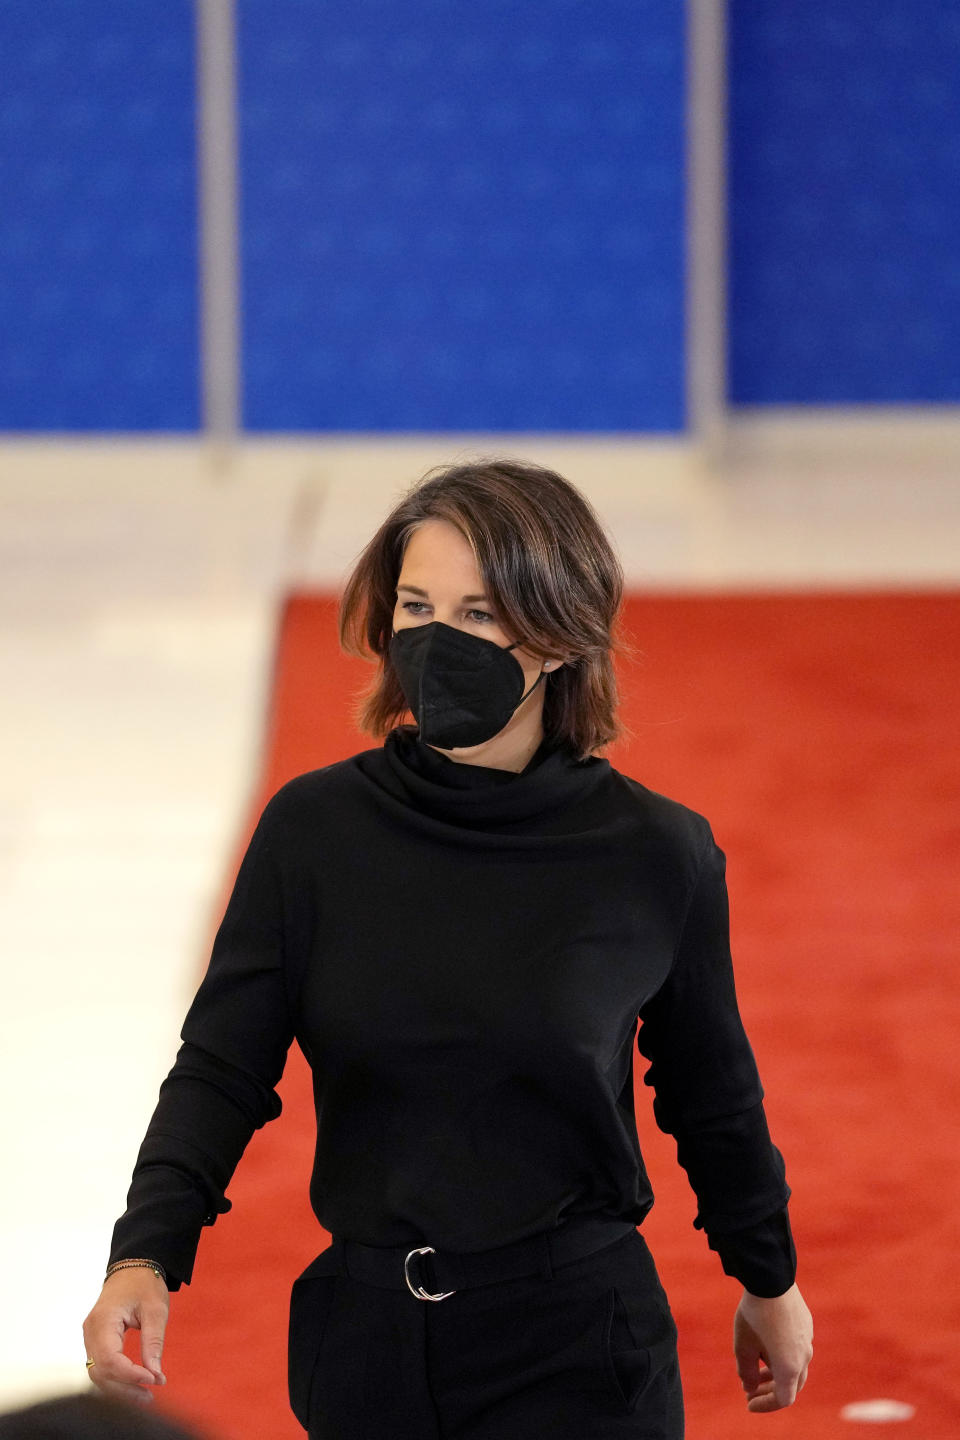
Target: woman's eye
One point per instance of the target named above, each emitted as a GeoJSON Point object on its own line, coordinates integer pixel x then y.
{"type": "Point", "coordinates": [416, 607]}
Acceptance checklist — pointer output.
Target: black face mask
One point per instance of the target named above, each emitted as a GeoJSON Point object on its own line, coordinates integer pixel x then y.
{"type": "Point", "coordinates": [461, 688]}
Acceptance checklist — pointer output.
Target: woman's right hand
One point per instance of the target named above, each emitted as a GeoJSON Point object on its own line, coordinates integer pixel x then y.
{"type": "Point", "coordinates": [134, 1298]}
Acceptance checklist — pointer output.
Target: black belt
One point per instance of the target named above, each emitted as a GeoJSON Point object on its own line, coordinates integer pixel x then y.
{"type": "Point", "coordinates": [447, 1271]}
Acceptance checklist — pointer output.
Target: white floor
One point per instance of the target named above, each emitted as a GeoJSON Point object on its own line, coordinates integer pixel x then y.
{"type": "Point", "coordinates": [138, 591]}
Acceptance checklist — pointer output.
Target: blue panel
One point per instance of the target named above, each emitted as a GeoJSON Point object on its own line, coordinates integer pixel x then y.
{"type": "Point", "coordinates": [462, 214]}
{"type": "Point", "coordinates": [845, 201]}
{"type": "Point", "coordinates": [98, 304]}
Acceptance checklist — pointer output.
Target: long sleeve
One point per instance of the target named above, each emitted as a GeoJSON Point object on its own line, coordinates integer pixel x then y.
{"type": "Point", "coordinates": [221, 1088]}
{"type": "Point", "coordinates": [708, 1094]}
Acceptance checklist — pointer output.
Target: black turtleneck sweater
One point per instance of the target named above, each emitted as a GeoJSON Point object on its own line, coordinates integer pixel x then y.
{"type": "Point", "coordinates": [468, 958]}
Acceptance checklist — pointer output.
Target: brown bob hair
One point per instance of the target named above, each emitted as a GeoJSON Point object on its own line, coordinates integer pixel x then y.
{"type": "Point", "coordinates": [546, 564]}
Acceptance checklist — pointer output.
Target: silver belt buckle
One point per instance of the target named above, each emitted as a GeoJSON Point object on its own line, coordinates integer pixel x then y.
{"type": "Point", "coordinates": [419, 1292]}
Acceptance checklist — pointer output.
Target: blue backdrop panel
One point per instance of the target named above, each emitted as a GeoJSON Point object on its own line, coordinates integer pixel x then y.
{"type": "Point", "coordinates": [845, 201]}
{"type": "Point", "coordinates": [98, 304]}
{"type": "Point", "coordinates": [462, 216]}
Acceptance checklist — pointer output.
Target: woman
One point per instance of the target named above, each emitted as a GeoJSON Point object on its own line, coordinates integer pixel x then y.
{"type": "Point", "coordinates": [467, 929]}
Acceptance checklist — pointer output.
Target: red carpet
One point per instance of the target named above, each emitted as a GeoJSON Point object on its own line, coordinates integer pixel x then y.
{"type": "Point", "coordinates": [818, 733]}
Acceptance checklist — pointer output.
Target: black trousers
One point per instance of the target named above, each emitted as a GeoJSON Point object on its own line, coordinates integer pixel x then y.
{"type": "Point", "coordinates": [581, 1350]}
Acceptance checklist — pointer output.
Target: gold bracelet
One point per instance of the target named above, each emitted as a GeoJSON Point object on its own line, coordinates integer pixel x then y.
{"type": "Point", "coordinates": [153, 1265]}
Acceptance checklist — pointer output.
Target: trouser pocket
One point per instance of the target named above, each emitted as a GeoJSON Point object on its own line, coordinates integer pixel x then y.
{"type": "Point", "coordinates": [638, 1353]}
{"type": "Point", "coordinates": [311, 1301]}
{"type": "Point", "coordinates": [638, 1336]}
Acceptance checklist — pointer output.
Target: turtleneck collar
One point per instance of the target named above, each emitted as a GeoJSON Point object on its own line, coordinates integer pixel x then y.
{"type": "Point", "coordinates": [480, 797]}
{"type": "Point", "coordinates": [433, 765]}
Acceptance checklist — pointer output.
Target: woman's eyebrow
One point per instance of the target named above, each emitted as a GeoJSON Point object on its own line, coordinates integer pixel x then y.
{"type": "Point", "coordinates": [415, 589]}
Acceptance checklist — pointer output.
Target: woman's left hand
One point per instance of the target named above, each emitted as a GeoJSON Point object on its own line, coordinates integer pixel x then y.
{"type": "Point", "coordinates": [773, 1344]}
